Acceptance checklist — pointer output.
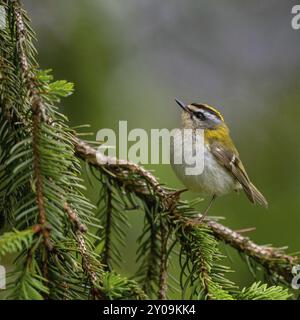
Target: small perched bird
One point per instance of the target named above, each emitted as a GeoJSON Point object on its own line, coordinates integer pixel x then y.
{"type": "Point", "coordinates": [223, 170]}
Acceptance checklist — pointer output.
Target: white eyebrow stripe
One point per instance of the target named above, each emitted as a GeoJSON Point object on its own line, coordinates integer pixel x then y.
{"type": "Point", "coordinates": [210, 115]}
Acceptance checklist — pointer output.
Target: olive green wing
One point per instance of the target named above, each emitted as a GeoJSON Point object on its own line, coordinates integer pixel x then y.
{"type": "Point", "coordinates": [230, 160]}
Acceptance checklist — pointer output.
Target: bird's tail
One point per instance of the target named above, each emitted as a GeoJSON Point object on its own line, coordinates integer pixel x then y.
{"type": "Point", "coordinates": [257, 197]}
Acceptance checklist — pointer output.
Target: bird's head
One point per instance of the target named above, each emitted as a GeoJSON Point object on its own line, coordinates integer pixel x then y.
{"type": "Point", "coordinates": [200, 116]}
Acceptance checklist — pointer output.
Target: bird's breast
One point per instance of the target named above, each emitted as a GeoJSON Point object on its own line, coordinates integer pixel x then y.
{"type": "Point", "coordinates": [214, 178]}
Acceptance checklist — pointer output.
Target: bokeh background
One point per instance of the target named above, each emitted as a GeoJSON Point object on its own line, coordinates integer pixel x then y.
{"type": "Point", "coordinates": [129, 59]}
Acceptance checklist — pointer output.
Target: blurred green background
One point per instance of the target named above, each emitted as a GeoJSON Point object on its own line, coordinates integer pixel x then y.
{"type": "Point", "coordinates": [129, 59]}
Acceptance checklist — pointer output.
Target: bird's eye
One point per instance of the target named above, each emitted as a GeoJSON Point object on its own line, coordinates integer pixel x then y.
{"type": "Point", "coordinates": [199, 115]}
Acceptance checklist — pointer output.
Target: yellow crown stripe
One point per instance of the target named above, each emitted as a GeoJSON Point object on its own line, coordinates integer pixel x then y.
{"type": "Point", "coordinates": [214, 111]}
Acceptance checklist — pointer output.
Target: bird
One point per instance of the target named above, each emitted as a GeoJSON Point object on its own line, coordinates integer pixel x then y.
{"type": "Point", "coordinates": [223, 170]}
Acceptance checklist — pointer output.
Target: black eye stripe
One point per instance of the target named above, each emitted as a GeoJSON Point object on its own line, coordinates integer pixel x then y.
{"type": "Point", "coordinates": [209, 110]}
{"type": "Point", "coordinates": [200, 115]}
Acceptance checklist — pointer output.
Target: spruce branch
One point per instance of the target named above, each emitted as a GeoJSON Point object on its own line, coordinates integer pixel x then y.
{"type": "Point", "coordinates": [79, 226]}
{"type": "Point", "coordinates": [41, 181]}
{"type": "Point", "coordinates": [105, 285]}
{"type": "Point", "coordinates": [272, 259]}
{"type": "Point", "coordinates": [15, 241]}
{"type": "Point", "coordinates": [37, 108]}
{"type": "Point", "coordinates": [163, 272]}
{"type": "Point", "coordinates": [108, 231]}
{"type": "Point", "coordinates": [259, 291]}
{"type": "Point", "coordinates": [87, 262]}
{"type": "Point", "coordinates": [111, 213]}
{"type": "Point", "coordinates": [149, 252]}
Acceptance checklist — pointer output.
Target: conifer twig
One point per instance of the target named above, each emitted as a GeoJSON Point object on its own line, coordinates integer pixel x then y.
{"type": "Point", "coordinates": [273, 259]}
{"type": "Point", "coordinates": [163, 275]}
{"type": "Point", "coordinates": [107, 241]}
{"type": "Point", "coordinates": [80, 228]}
{"type": "Point", "coordinates": [37, 110]}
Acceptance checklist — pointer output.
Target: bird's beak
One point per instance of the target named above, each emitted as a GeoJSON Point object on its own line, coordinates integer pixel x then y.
{"type": "Point", "coordinates": [182, 105]}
